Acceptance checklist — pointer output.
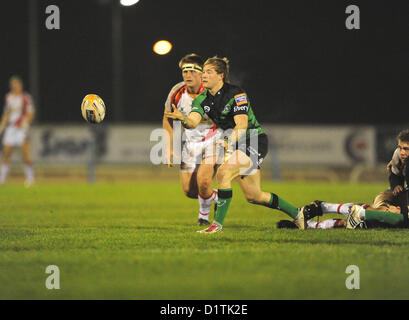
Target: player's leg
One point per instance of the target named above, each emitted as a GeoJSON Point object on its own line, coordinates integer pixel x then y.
{"type": "Point", "coordinates": [341, 208]}
{"type": "Point", "coordinates": [28, 164]}
{"type": "Point", "coordinates": [359, 215]}
{"type": "Point", "coordinates": [327, 224]}
{"type": "Point", "coordinates": [5, 163]}
{"type": "Point", "coordinates": [324, 224]}
{"type": "Point", "coordinates": [188, 180]}
{"type": "Point", "coordinates": [251, 186]}
{"type": "Point", "coordinates": [188, 171]}
{"type": "Point", "coordinates": [206, 194]}
{"type": "Point", "coordinates": [227, 171]}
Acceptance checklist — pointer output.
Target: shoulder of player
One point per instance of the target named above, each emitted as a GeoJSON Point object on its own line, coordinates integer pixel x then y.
{"type": "Point", "coordinates": [27, 95]}
{"type": "Point", "coordinates": [201, 97]}
{"type": "Point", "coordinates": [27, 98]}
{"type": "Point", "coordinates": [234, 90]}
{"type": "Point", "coordinates": [178, 86]}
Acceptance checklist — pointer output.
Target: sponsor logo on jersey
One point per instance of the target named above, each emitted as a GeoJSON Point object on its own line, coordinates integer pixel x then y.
{"type": "Point", "coordinates": [206, 108]}
{"type": "Point", "coordinates": [243, 108]}
{"type": "Point", "coordinates": [226, 109]}
{"type": "Point", "coordinates": [241, 99]}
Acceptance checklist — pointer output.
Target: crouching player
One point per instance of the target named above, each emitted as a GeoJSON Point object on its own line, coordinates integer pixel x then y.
{"type": "Point", "coordinates": [229, 107]}
{"type": "Point", "coordinates": [17, 116]}
{"type": "Point", "coordinates": [198, 156]}
{"type": "Point", "coordinates": [399, 173]}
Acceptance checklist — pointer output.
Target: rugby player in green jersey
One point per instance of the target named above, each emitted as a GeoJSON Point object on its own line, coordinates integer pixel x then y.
{"type": "Point", "coordinates": [244, 148]}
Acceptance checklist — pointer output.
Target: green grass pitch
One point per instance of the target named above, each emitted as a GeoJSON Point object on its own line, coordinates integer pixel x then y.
{"type": "Point", "coordinates": [139, 241]}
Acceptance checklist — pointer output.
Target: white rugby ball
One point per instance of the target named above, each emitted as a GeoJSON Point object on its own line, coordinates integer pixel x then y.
{"type": "Point", "coordinates": [93, 108]}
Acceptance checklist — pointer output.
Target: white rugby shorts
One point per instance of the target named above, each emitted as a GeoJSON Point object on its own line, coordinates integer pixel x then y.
{"type": "Point", "coordinates": [194, 152]}
{"type": "Point", "coordinates": [14, 136]}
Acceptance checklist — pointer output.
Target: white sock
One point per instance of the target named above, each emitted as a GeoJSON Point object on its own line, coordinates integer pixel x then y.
{"type": "Point", "coordinates": [204, 206]}
{"type": "Point", "coordinates": [342, 208]}
{"type": "Point", "coordinates": [325, 224]}
{"type": "Point", "coordinates": [29, 171]}
{"type": "Point", "coordinates": [362, 214]}
{"type": "Point", "coordinates": [4, 172]}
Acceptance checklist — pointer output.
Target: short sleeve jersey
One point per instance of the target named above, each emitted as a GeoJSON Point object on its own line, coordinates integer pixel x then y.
{"type": "Point", "coordinates": [18, 106]}
{"type": "Point", "coordinates": [228, 102]}
{"type": "Point", "coordinates": [182, 99]}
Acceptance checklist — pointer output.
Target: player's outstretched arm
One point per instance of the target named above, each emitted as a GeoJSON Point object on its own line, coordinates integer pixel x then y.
{"type": "Point", "coordinates": [190, 122]}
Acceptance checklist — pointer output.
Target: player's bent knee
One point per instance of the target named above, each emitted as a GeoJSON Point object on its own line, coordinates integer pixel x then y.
{"type": "Point", "coordinates": [190, 193]}
{"type": "Point", "coordinates": [204, 183]}
{"type": "Point", "coordinates": [253, 198]}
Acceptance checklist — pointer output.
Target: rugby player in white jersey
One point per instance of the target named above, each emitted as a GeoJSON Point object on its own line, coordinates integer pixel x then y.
{"type": "Point", "coordinates": [198, 156]}
{"type": "Point", "coordinates": [17, 116]}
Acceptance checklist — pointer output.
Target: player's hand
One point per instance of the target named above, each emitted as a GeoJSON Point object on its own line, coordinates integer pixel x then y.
{"type": "Point", "coordinates": [389, 166]}
{"type": "Point", "coordinates": [397, 190]}
{"type": "Point", "coordinates": [228, 149]}
{"type": "Point", "coordinates": [394, 209]}
{"type": "Point", "coordinates": [168, 158]}
{"type": "Point", "coordinates": [175, 114]}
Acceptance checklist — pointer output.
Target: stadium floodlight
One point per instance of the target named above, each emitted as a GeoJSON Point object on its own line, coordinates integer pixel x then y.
{"type": "Point", "coordinates": [128, 3]}
{"type": "Point", "coordinates": [162, 47]}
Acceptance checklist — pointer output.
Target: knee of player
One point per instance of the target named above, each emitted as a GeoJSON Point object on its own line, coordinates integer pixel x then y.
{"type": "Point", "coordinates": [190, 193]}
{"type": "Point", "coordinates": [205, 183]}
{"type": "Point", "coordinates": [254, 196]}
{"type": "Point", "coordinates": [251, 198]}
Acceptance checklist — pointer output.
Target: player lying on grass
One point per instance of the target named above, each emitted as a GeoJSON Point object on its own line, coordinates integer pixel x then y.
{"type": "Point", "coordinates": [384, 201]}
{"type": "Point", "coordinates": [196, 176]}
{"type": "Point", "coordinates": [361, 215]}
{"type": "Point", "coordinates": [244, 148]}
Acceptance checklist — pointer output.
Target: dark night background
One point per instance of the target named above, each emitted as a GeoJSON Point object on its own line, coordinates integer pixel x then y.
{"type": "Point", "coordinates": [296, 59]}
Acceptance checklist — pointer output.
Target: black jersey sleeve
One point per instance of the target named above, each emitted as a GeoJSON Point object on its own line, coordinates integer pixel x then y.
{"type": "Point", "coordinates": [240, 104]}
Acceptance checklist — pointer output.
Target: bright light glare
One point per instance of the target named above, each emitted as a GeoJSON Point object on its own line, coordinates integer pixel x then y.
{"type": "Point", "coordinates": [128, 3]}
{"type": "Point", "coordinates": [162, 47]}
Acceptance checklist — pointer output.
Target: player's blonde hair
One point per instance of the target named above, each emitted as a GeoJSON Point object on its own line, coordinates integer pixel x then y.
{"type": "Point", "coordinates": [221, 65]}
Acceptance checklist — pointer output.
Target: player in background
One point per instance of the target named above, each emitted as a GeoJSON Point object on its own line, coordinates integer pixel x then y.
{"type": "Point", "coordinates": [198, 156]}
{"type": "Point", "coordinates": [399, 173]}
{"type": "Point", "coordinates": [397, 167]}
{"type": "Point", "coordinates": [17, 116]}
{"type": "Point", "coordinates": [245, 146]}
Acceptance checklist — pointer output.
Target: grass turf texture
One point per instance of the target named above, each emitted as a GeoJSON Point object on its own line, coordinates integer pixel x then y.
{"type": "Point", "coordinates": [139, 241]}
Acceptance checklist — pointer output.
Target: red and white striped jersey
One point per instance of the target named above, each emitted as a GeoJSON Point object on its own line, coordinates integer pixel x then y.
{"type": "Point", "coordinates": [18, 106]}
{"type": "Point", "coordinates": [182, 99]}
